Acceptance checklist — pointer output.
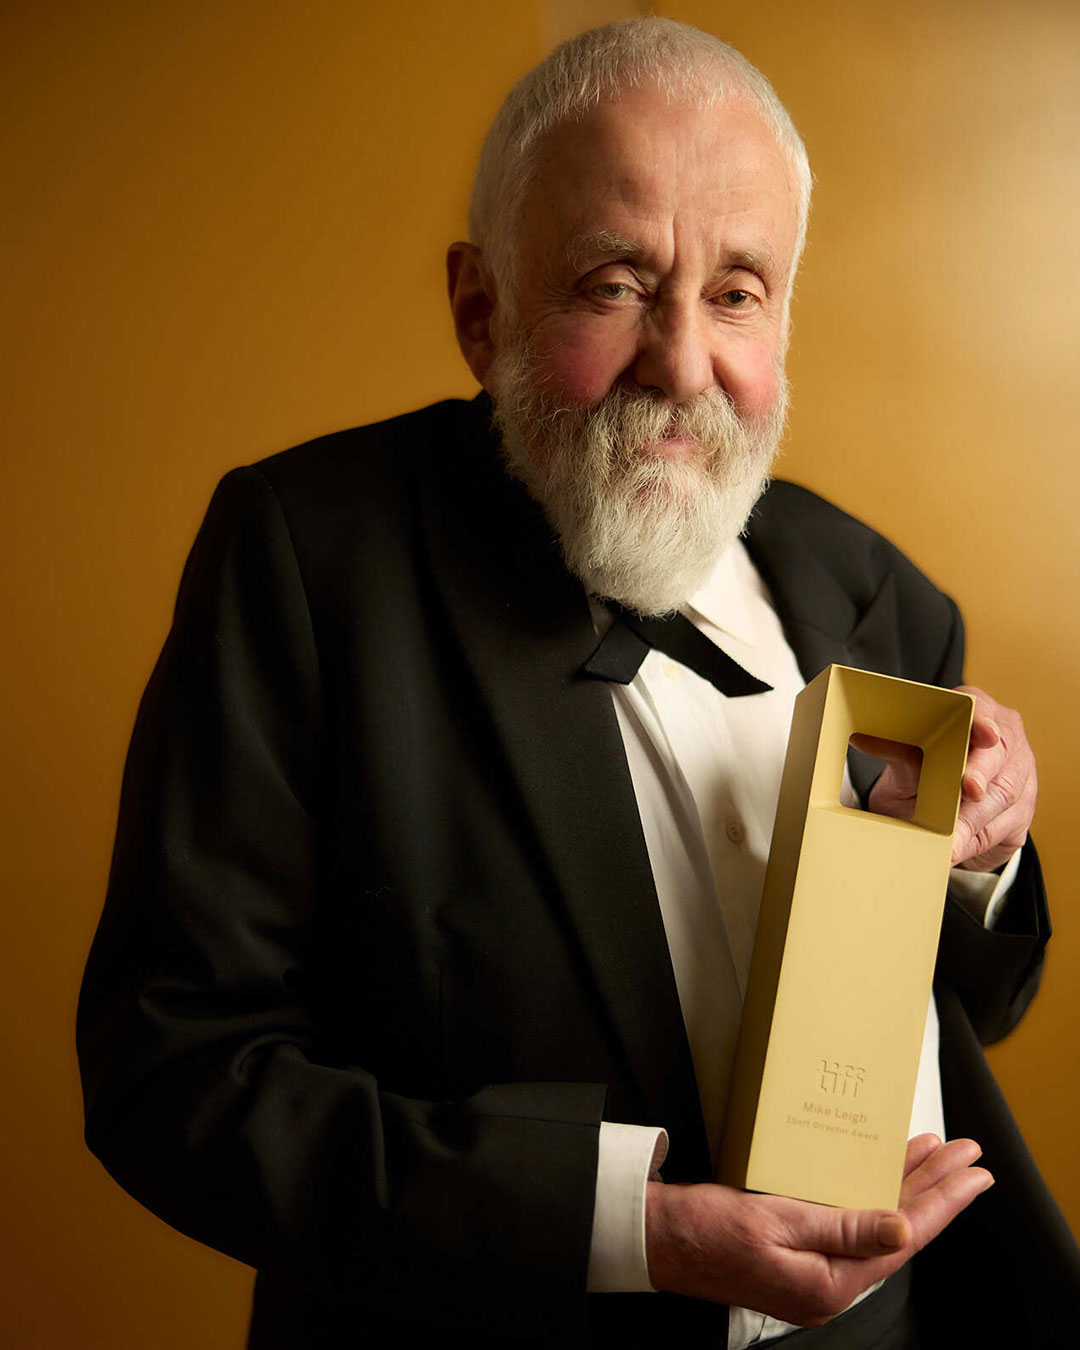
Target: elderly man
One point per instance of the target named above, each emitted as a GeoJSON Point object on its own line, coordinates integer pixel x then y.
{"type": "Point", "coordinates": [436, 878]}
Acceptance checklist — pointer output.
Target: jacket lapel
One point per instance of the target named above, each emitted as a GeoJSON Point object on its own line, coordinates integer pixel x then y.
{"type": "Point", "coordinates": [824, 616]}
{"type": "Point", "coordinates": [525, 631]}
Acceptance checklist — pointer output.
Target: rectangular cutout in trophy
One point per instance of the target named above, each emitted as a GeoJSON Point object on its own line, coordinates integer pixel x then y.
{"type": "Point", "coordinates": [832, 1027]}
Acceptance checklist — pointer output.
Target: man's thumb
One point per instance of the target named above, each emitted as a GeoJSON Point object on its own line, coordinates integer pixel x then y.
{"type": "Point", "coordinates": [859, 1232]}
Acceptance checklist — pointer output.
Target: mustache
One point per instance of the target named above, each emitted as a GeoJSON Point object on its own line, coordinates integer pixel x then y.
{"type": "Point", "coordinates": [626, 420]}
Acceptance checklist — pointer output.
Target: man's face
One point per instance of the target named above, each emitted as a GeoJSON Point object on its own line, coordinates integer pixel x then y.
{"type": "Point", "coordinates": [638, 380]}
{"type": "Point", "coordinates": [657, 244]}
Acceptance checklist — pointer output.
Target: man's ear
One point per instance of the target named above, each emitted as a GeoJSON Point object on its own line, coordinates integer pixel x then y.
{"type": "Point", "coordinates": [472, 303]}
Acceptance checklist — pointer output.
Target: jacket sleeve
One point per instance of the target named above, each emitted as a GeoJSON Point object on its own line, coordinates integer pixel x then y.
{"type": "Point", "coordinates": [994, 972]}
{"type": "Point", "coordinates": [207, 1093]}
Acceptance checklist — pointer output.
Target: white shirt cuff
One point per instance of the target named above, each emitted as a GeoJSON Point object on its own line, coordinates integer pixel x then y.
{"type": "Point", "coordinates": [983, 894]}
{"type": "Point", "coordinates": [629, 1155]}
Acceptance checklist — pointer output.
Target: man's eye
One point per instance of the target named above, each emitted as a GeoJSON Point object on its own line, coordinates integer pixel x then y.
{"type": "Point", "coordinates": [612, 290]}
{"type": "Point", "coordinates": [736, 299]}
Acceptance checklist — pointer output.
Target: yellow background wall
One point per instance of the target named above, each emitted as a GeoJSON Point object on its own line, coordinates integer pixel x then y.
{"type": "Point", "coordinates": [223, 233]}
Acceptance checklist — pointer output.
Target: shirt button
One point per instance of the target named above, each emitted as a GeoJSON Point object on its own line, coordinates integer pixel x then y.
{"type": "Point", "coordinates": [736, 831]}
{"type": "Point", "coordinates": [670, 668]}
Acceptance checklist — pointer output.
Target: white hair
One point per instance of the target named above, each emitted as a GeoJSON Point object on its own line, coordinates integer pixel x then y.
{"type": "Point", "coordinates": [685, 64]}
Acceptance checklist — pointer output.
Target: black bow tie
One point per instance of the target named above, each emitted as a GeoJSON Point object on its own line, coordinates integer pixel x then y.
{"type": "Point", "coordinates": [627, 642]}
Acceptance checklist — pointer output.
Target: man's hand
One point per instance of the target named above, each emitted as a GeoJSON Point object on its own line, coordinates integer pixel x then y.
{"type": "Point", "coordinates": [1000, 785]}
{"type": "Point", "coordinates": [801, 1262]}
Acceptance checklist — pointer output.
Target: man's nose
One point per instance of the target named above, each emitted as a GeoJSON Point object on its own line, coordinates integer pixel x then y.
{"type": "Point", "coordinates": [675, 354]}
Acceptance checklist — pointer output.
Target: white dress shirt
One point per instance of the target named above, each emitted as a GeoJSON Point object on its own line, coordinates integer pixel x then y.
{"type": "Point", "coordinates": [706, 773]}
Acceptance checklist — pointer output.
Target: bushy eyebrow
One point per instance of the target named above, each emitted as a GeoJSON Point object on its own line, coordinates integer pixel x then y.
{"type": "Point", "coordinates": [584, 248]}
{"type": "Point", "coordinates": [608, 244]}
{"type": "Point", "coordinates": [758, 261]}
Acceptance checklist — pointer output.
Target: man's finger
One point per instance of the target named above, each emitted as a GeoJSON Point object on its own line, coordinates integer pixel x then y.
{"type": "Point", "coordinates": [955, 1156]}
{"type": "Point", "coordinates": [895, 791]}
{"type": "Point", "coordinates": [929, 1212]}
{"type": "Point", "coordinates": [898, 753]}
{"type": "Point", "coordinates": [985, 732]}
{"type": "Point", "coordinates": [982, 768]}
{"type": "Point", "coordinates": [987, 837]}
{"type": "Point", "coordinates": [986, 729]}
{"type": "Point", "coordinates": [919, 1149]}
{"type": "Point", "coordinates": [987, 749]}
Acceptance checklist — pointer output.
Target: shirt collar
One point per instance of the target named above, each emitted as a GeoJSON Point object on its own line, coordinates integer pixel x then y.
{"type": "Point", "coordinates": [725, 601]}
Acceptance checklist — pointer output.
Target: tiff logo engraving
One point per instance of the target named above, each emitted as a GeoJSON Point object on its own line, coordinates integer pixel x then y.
{"type": "Point", "coordinates": [841, 1080]}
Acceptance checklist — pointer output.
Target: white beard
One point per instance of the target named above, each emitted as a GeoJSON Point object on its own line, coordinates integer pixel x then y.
{"type": "Point", "coordinates": [644, 530]}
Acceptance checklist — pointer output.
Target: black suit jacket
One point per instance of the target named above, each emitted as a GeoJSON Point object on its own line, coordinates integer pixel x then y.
{"type": "Point", "coordinates": [382, 946]}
